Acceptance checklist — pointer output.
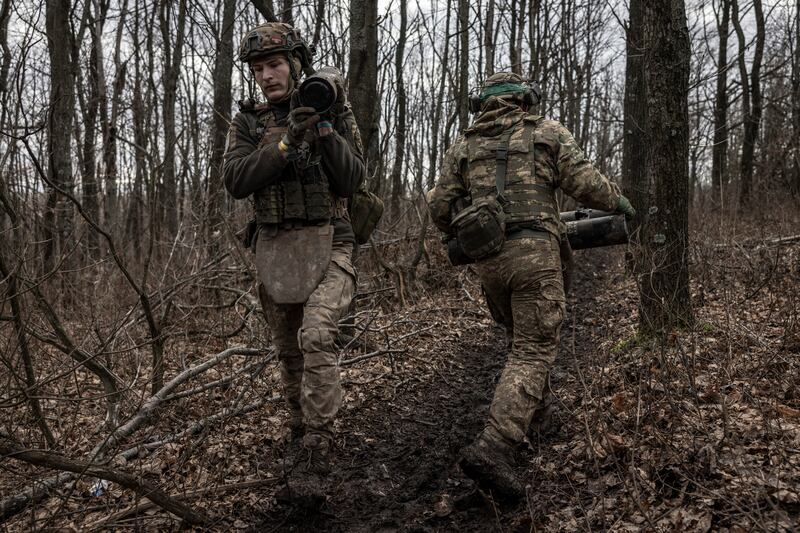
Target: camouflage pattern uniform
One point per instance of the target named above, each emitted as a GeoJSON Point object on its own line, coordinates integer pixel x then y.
{"type": "Point", "coordinates": [523, 281]}
{"type": "Point", "coordinates": [303, 334]}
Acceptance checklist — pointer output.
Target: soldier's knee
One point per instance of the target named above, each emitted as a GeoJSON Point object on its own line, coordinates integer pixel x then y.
{"type": "Point", "coordinates": [316, 340]}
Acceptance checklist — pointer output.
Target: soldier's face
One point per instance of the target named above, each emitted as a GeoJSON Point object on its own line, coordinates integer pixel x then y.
{"type": "Point", "coordinates": [272, 75]}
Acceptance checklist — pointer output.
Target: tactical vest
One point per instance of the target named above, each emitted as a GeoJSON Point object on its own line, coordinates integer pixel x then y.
{"type": "Point", "coordinates": [529, 199]}
{"type": "Point", "coordinates": [302, 195]}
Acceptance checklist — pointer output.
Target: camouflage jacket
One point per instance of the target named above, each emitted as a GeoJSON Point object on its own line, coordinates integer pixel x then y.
{"type": "Point", "coordinates": [542, 157]}
{"type": "Point", "coordinates": [253, 164]}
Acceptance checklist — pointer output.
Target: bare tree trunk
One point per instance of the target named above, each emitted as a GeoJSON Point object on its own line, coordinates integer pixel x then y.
{"type": "Point", "coordinates": [287, 12]}
{"type": "Point", "coordinates": [664, 275]}
{"type": "Point", "coordinates": [513, 52]}
{"type": "Point", "coordinates": [488, 39]}
{"type": "Point", "coordinates": [223, 66]}
{"type": "Point", "coordinates": [5, 16]}
{"type": "Point", "coordinates": [265, 8]}
{"type": "Point", "coordinates": [96, 92]}
{"type": "Point", "coordinates": [173, 54]}
{"type": "Point", "coordinates": [720, 150]}
{"type": "Point", "coordinates": [796, 101]}
{"type": "Point", "coordinates": [634, 177]}
{"type": "Point", "coordinates": [59, 126]}
{"type": "Point", "coordinates": [319, 18]}
{"type": "Point", "coordinates": [751, 98]}
{"type": "Point", "coordinates": [135, 221]}
{"type": "Point", "coordinates": [400, 131]}
{"type": "Point", "coordinates": [462, 101]}
{"type": "Point", "coordinates": [110, 125]}
{"type": "Point", "coordinates": [363, 78]}
{"type": "Point", "coordinates": [437, 112]}
{"type": "Point", "coordinates": [31, 389]}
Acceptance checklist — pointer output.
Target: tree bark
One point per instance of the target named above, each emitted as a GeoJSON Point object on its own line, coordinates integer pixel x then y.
{"type": "Point", "coordinates": [796, 101]}
{"type": "Point", "coordinates": [463, 65]}
{"type": "Point", "coordinates": [223, 66]}
{"type": "Point", "coordinates": [720, 150]}
{"type": "Point", "coordinates": [751, 98]}
{"type": "Point", "coordinates": [488, 40]}
{"type": "Point", "coordinates": [400, 130]}
{"type": "Point", "coordinates": [664, 275]}
{"type": "Point", "coordinates": [31, 391]}
{"type": "Point", "coordinates": [96, 88]}
{"type": "Point", "coordinates": [173, 54]}
{"type": "Point", "coordinates": [287, 12]}
{"type": "Point", "coordinates": [111, 207]}
{"type": "Point", "coordinates": [363, 79]}
{"type": "Point", "coordinates": [265, 8]}
{"type": "Point", "coordinates": [5, 17]}
{"type": "Point", "coordinates": [634, 178]}
{"type": "Point", "coordinates": [59, 126]}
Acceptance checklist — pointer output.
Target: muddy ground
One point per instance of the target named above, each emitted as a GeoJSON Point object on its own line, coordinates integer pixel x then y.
{"type": "Point", "coordinates": [698, 431]}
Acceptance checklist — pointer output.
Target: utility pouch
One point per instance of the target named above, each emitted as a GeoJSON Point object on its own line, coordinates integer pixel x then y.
{"type": "Point", "coordinates": [480, 228]}
{"type": "Point", "coordinates": [366, 210]}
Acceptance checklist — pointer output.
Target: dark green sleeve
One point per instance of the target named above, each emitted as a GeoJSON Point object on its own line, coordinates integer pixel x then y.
{"type": "Point", "coordinates": [247, 167]}
{"type": "Point", "coordinates": [342, 155]}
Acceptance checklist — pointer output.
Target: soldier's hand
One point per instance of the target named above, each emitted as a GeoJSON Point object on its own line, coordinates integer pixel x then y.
{"type": "Point", "coordinates": [300, 119]}
{"type": "Point", "coordinates": [624, 206]}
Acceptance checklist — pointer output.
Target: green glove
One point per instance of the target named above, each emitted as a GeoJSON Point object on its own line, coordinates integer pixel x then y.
{"type": "Point", "coordinates": [624, 206]}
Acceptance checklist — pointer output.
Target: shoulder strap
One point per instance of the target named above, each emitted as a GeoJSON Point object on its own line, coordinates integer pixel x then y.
{"type": "Point", "coordinates": [501, 156]}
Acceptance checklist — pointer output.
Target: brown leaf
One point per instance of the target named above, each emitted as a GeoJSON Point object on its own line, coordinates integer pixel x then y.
{"type": "Point", "coordinates": [787, 412]}
{"type": "Point", "coordinates": [620, 402]}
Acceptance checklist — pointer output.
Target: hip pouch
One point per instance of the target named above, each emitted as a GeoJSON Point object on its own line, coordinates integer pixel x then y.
{"type": "Point", "coordinates": [365, 210]}
{"type": "Point", "coordinates": [480, 228]}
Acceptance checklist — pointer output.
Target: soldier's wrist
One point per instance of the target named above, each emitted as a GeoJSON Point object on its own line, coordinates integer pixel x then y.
{"type": "Point", "coordinates": [284, 145]}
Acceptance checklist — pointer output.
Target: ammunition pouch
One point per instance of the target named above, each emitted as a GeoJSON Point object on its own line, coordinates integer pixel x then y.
{"type": "Point", "coordinates": [480, 228]}
{"type": "Point", "coordinates": [366, 210]}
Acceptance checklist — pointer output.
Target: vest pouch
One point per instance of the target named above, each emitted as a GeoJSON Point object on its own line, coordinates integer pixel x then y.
{"type": "Point", "coordinates": [292, 262]}
{"type": "Point", "coordinates": [481, 228]}
{"type": "Point", "coordinates": [366, 210]}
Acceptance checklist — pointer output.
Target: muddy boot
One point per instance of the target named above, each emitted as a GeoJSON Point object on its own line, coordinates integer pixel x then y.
{"type": "Point", "coordinates": [490, 463]}
{"type": "Point", "coordinates": [294, 443]}
{"type": "Point", "coordinates": [307, 482]}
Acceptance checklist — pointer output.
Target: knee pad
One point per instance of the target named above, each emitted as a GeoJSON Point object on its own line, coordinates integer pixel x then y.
{"type": "Point", "coordinates": [315, 340]}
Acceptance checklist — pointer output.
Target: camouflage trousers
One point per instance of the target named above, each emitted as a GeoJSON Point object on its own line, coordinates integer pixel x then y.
{"type": "Point", "coordinates": [304, 335]}
{"type": "Point", "coordinates": [524, 287]}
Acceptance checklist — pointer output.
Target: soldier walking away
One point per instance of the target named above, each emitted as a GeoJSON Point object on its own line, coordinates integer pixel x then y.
{"type": "Point", "coordinates": [299, 164]}
{"type": "Point", "coordinates": [496, 195]}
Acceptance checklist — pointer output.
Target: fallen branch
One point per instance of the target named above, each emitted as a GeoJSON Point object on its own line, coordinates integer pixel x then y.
{"type": "Point", "coordinates": [220, 382]}
{"type": "Point", "coordinates": [41, 489]}
{"type": "Point", "coordinates": [141, 507]}
{"type": "Point", "coordinates": [59, 462]}
{"type": "Point", "coordinates": [376, 353]}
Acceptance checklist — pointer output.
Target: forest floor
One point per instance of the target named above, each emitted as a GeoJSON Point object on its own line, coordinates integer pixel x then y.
{"type": "Point", "coordinates": [697, 432]}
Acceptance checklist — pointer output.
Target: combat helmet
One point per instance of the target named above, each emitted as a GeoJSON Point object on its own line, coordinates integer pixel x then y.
{"type": "Point", "coordinates": [276, 37]}
{"type": "Point", "coordinates": [506, 84]}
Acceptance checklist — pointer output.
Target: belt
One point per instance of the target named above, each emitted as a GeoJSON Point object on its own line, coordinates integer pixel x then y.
{"type": "Point", "coordinates": [526, 230]}
{"type": "Point", "coordinates": [527, 233]}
